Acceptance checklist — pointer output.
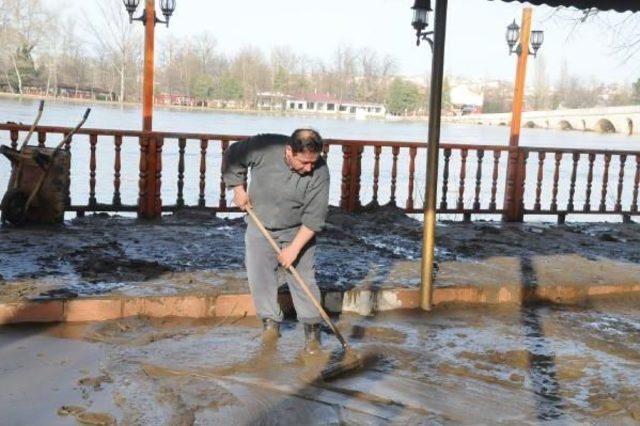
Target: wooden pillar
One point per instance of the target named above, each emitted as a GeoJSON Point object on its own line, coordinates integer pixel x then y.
{"type": "Point", "coordinates": [148, 207]}
{"type": "Point", "coordinates": [513, 196]}
{"type": "Point", "coordinates": [147, 84]}
{"type": "Point", "coordinates": [351, 172]}
{"type": "Point", "coordinates": [345, 186]}
{"type": "Point", "coordinates": [356, 172]}
{"type": "Point", "coordinates": [435, 112]}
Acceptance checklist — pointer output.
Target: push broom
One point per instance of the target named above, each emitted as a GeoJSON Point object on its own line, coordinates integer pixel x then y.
{"type": "Point", "coordinates": [351, 360]}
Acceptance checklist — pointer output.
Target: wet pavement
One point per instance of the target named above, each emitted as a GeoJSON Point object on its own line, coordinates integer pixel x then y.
{"type": "Point", "coordinates": [194, 252]}
{"type": "Point", "coordinates": [523, 365]}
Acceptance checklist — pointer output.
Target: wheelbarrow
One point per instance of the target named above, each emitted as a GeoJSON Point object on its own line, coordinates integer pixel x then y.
{"type": "Point", "coordinates": [39, 180]}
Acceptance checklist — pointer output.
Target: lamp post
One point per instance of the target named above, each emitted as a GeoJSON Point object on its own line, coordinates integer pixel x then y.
{"type": "Point", "coordinates": [421, 10]}
{"type": "Point", "coordinates": [149, 20]}
{"type": "Point", "coordinates": [149, 202]}
{"type": "Point", "coordinates": [520, 38]}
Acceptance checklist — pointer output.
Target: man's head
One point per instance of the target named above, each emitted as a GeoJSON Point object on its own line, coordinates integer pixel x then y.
{"type": "Point", "coordinates": [303, 150]}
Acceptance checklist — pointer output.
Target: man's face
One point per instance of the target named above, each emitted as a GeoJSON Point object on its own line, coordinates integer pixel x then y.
{"type": "Point", "coordinates": [301, 162]}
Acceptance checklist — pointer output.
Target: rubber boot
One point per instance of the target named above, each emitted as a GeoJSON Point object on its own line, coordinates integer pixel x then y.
{"type": "Point", "coordinates": [270, 331]}
{"type": "Point", "coordinates": [312, 342]}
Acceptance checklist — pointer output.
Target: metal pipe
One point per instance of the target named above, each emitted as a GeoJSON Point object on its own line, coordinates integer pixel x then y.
{"type": "Point", "coordinates": [435, 112]}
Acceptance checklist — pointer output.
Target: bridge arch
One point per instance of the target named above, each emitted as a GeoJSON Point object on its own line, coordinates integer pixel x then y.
{"type": "Point", "coordinates": [565, 125]}
{"type": "Point", "coordinates": [530, 125]}
{"type": "Point", "coordinates": [605, 126]}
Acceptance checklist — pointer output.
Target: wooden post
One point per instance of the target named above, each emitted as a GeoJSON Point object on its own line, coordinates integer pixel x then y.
{"type": "Point", "coordinates": [149, 207]}
{"type": "Point", "coordinates": [351, 171]}
{"type": "Point", "coordinates": [149, 199]}
{"type": "Point", "coordinates": [513, 202]}
{"type": "Point", "coordinates": [345, 187]}
{"type": "Point", "coordinates": [356, 172]}
{"type": "Point", "coordinates": [147, 84]}
{"type": "Point", "coordinates": [431, 189]}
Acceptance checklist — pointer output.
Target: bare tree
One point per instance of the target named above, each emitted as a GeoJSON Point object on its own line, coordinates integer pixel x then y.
{"type": "Point", "coordinates": [73, 61]}
{"type": "Point", "coordinates": [106, 51]}
{"type": "Point", "coordinates": [283, 63]}
{"type": "Point", "coordinates": [115, 38]}
{"type": "Point", "coordinates": [342, 75]}
{"type": "Point", "coordinates": [541, 89]}
{"type": "Point", "coordinates": [167, 63]}
{"type": "Point", "coordinates": [250, 68]}
{"type": "Point", "coordinates": [622, 29]}
{"type": "Point", "coordinates": [374, 75]}
{"type": "Point", "coordinates": [205, 44]}
{"type": "Point", "coordinates": [23, 24]}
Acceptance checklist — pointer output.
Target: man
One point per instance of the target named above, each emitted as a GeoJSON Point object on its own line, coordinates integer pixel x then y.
{"type": "Point", "coordinates": [289, 192]}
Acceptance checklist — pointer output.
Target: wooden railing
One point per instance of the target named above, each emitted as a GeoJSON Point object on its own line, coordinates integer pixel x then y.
{"type": "Point", "coordinates": [605, 190]}
{"type": "Point", "coordinates": [460, 186]}
{"type": "Point", "coordinates": [154, 172]}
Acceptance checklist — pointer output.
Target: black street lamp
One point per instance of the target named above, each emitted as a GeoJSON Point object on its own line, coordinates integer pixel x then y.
{"type": "Point", "coordinates": [537, 38]}
{"type": "Point", "coordinates": [131, 6]}
{"type": "Point", "coordinates": [421, 9]}
{"type": "Point", "coordinates": [513, 35]}
{"type": "Point", "coordinates": [166, 6]}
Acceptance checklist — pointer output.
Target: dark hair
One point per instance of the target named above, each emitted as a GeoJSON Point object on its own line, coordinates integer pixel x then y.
{"type": "Point", "coordinates": [305, 140]}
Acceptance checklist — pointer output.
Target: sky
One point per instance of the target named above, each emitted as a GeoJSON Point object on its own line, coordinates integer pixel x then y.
{"type": "Point", "coordinates": [475, 44]}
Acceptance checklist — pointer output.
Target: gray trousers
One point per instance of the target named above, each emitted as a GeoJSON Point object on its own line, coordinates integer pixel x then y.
{"type": "Point", "coordinates": [262, 270]}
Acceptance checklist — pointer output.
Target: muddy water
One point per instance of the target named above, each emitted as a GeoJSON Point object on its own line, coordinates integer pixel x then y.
{"type": "Point", "coordinates": [195, 252]}
{"type": "Point", "coordinates": [524, 366]}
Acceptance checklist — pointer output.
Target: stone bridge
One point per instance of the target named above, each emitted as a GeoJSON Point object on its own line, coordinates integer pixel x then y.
{"type": "Point", "coordinates": [624, 119]}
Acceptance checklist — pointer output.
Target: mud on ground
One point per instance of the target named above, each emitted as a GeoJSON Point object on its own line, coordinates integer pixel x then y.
{"type": "Point", "coordinates": [523, 365]}
{"type": "Point", "coordinates": [196, 252]}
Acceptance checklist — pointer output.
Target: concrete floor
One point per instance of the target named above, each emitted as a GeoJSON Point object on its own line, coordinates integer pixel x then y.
{"type": "Point", "coordinates": [518, 365]}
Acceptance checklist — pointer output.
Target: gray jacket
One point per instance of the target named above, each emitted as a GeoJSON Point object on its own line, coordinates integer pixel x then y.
{"type": "Point", "coordinates": [281, 197]}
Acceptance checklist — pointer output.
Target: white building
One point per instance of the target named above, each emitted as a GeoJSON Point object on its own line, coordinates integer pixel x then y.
{"type": "Point", "coordinates": [327, 104]}
{"type": "Point", "coordinates": [465, 99]}
{"type": "Point", "coordinates": [271, 101]}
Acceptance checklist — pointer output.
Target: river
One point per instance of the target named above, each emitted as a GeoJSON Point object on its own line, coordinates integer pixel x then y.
{"type": "Point", "coordinates": [60, 113]}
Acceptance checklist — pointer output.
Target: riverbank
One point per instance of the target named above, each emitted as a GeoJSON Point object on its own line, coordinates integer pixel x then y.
{"type": "Point", "coordinates": [242, 111]}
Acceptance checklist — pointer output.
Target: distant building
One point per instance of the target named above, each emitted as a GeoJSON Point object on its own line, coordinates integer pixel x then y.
{"type": "Point", "coordinates": [327, 104]}
{"type": "Point", "coordinates": [69, 91]}
{"type": "Point", "coordinates": [272, 101]}
{"type": "Point", "coordinates": [227, 103]}
{"type": "Point", "coordinates": [465, 100]}
{"type": "Point", "coordinates": [174, 99]}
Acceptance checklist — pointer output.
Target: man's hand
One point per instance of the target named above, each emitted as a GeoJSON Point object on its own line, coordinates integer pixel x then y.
{"type": "Point", "coordinates": [288, 255]}
{"type": "Point", "coordinates": [241, 198]}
